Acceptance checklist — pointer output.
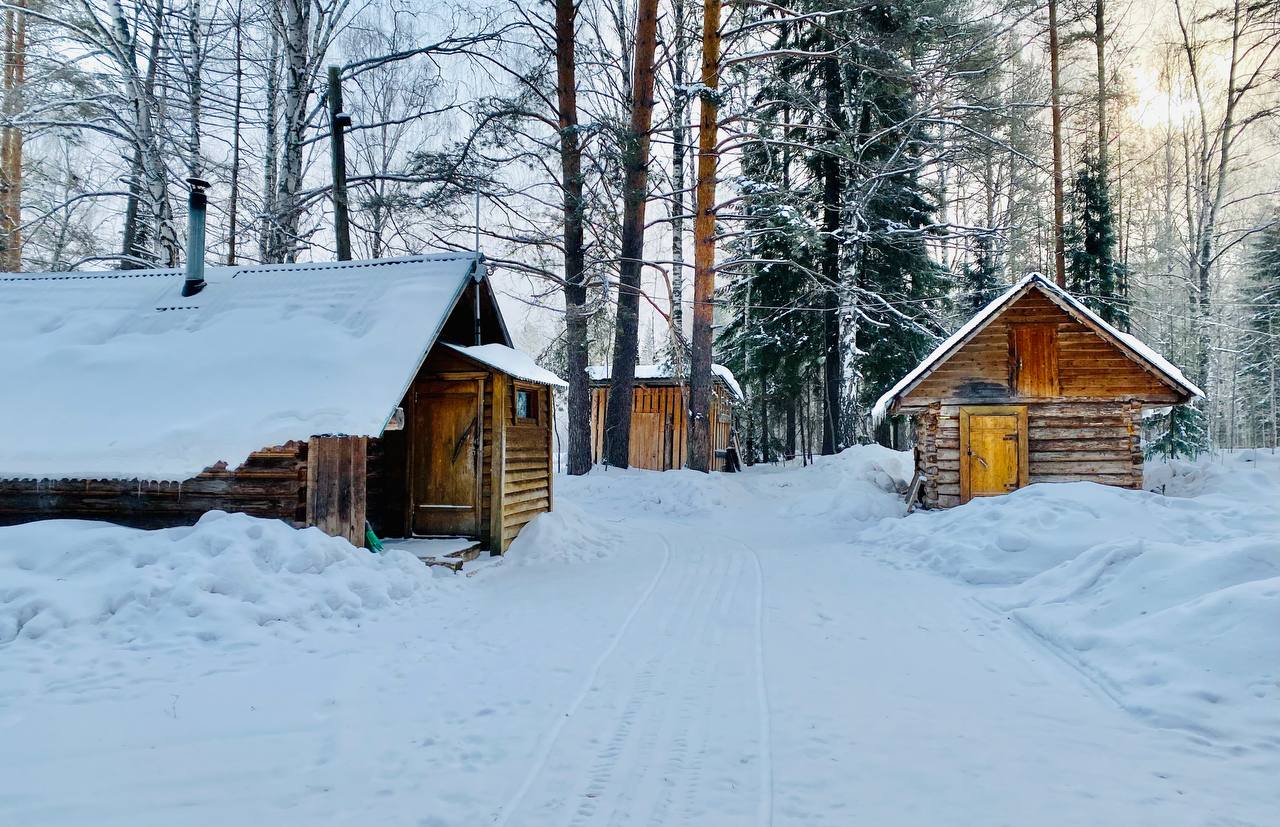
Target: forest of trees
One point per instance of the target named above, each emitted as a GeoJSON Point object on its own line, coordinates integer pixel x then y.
{"type": "Point", "coordinates": [812, 192]}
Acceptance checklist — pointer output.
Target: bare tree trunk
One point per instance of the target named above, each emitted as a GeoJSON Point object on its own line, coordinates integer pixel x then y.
{"type": "Point", "coordinates": [1100, 48]}
{"type": "Point", "coordinates": [766, 455]}
{"type": "Point", "coordinates": [15, 69]}
{"type": "Point", "coordinates": [626, 339]}
{"type": "Point", "coordinates": [270, 152]}
{"type": "Point", "coordinates": [155, 176]}
{"type": "Point", "coordinates": [296, 22]}
{"type": "Point", "coordinates": [789, 451]}
{"type": "Point", "coordinates": [578, 460]}
{"type": "Point", "coordinates": [679, 137]}
{"type": "Point", "coordinates": [129, 246]}
{"type": "Point", "coordinates": [233, 201]}
{"type": "Point", "coordinates": [1059, 238]}
{"type": "Point", "coordinates": [832, 198]}
{"type": "Point", "coordinates": [196, 45]}
{"type": "Point", "coordinates": [704, 243]}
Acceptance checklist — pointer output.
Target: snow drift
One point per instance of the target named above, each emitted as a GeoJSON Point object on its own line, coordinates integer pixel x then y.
{"type": "Point", "coordinates": [1170, 603]}
{"type": "Point", "coordinates": [229, 578]}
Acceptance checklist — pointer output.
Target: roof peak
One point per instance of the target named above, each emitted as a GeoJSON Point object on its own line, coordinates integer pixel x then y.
{"type": "Point", "coordinates": [1069, 304]}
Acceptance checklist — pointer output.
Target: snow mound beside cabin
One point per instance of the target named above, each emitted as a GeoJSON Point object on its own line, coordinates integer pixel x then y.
{"type": "Point", "coordinates": [230, 578]}
{"type": "Point", "coordinates": [1170, 603]}
{"type": "Point", "coordinates": [861, 483]}
{"type": "Point", "coordinates": [567, 534]}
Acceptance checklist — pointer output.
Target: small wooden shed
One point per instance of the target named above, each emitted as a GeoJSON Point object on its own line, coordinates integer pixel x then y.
{"type": "Point", "coordinates": [319, 394]}
{"type": "Point", "coordinates": [1035, 388]}
{"type": "Point", "coordinates": [659, 416]}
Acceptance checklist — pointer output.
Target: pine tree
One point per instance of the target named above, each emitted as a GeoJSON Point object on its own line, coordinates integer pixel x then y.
{"type": "Point", "coordinates": [1180, 433]}
{"type": "Point", "coordinates": [1260, 350]}
{"type": "Point", "coordinates": [1093, 273]}
{"type": "Point", "coordinates": [980, 280]}
{"type": "Point", "coordinates": [773, 338]}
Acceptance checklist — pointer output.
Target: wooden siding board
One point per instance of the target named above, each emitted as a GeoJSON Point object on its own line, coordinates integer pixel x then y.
{"type": "Point", "coordinates": [1088, 365]}
{"type": "Point", "coordinates": [528, 463]}
{"type": "Point", "coordinates": [335, 486]}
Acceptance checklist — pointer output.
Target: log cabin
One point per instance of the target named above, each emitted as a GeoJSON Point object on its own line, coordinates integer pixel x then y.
{"type": "Point", "coordinates": [1035, 388]}
{"type": "Point", "coordinates": [325, 394]}
{"type": "Point", "coordinates": [659, 416]}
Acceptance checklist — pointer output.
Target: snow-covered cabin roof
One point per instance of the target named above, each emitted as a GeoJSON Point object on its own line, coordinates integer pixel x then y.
{"type": "Point", "coordinates": [1134, 348]}
{"type": "Point", "coordinates": [661, 373]}
{"type": "Point", "coordinates": [115, 375]}
{"type": "Point", "coordinates": [511, 362]}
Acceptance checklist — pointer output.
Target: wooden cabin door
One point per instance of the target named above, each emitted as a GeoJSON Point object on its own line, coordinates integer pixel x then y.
{"type": "Point", "coordinates": [445, 457]}
{"type": "Point", "coordinates": [993, 450]}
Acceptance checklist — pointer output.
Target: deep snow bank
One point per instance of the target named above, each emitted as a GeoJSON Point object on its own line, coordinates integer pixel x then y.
{"type": "Point", "coordinates": [1170, 602]}
{"type": "Point", "coordinates": [229, 578]}
{"type": "Point", "coordinates": [860, 483]}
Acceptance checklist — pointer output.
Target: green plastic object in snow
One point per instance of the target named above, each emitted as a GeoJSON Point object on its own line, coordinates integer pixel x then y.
{"type": "Point", "coordinates": [371, 540]}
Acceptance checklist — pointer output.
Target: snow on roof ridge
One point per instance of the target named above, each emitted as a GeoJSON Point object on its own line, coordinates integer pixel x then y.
{"type": "Point", "coordinates": [288, 267]}
{"type": "Point", "coordinates": [599, 373]}
{"type": "Point", "coordinates": [1140, 349]}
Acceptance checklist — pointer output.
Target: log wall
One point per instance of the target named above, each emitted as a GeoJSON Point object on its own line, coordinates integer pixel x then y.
{"type": "Point", "coordinates": [1067, 442]}
{"type": "Point", "coordinates": [270, 483]}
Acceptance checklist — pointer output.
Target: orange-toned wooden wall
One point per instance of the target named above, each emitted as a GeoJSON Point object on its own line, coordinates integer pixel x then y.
{"type": "Point", "coordinates": [660, 426]}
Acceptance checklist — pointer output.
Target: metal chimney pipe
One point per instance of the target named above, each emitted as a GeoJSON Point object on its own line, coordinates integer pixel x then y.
{"type": "Point", "coordinates": [196, 208]}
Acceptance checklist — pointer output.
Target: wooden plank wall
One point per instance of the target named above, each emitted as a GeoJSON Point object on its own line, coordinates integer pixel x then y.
{"type": "Point", "coordinates": [336, 486]}
{"type": "Point", "coordinates": [526, 475]}
{"type": "Point", "coordinates": [665, 435]}
{"type": "Point", "coordinates": [1088, 365]}
{"type": "Point", "coordinates": [270, 483]}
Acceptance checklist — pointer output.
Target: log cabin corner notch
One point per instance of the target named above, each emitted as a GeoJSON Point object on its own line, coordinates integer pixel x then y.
{"type": "Point", "coordinates": [318, 394]}
{"type": "Point", "coordinates": [1034, 388]}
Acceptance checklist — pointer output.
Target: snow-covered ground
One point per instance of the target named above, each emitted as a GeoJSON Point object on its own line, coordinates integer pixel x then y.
{"type": "Point", "coordinates": [776, 647]}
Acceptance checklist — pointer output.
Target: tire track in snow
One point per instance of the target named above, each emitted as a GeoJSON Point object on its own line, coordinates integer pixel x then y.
{"type": "Point", "coordinates": [640, 712]}
{"type": "Point", "coordinates": [549, 741]}
{"type": "Point", "coordinates": [762, 698]}
{"type": "Point", "coordinates": [691, 736]}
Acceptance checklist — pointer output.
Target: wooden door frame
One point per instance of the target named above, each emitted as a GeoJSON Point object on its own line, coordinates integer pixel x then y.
{"type": "Point", "coordinates": [967, 411]}
{"type": "Point", "coordinates": [411, 455]}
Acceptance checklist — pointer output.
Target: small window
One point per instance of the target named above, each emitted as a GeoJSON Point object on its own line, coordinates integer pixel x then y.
{"type": "Point", "coordinates": [526, 406]}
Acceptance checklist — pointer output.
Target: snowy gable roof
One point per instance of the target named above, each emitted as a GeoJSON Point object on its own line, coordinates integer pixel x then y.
{"type": "Point", "coordinates": [650, 373]}
{"type": "Point", "coordinates": [115, 375]}
{"type": "Point", "coordinates": [511, 362]}
{"type": "Point", "coordinates": [1134, 348]}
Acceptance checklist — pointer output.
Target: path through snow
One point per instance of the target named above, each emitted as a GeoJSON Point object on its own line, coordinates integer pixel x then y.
{"type": "Point", "coordinates": [666, 650]}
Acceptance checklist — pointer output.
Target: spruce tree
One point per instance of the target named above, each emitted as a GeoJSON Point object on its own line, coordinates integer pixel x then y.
{"type": "Point", "coordinates": [1093, 273]}
{"type": "Point", "coordinates": [1260, 350]}
{"type": "Point", "coordinates": [980, 280]}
